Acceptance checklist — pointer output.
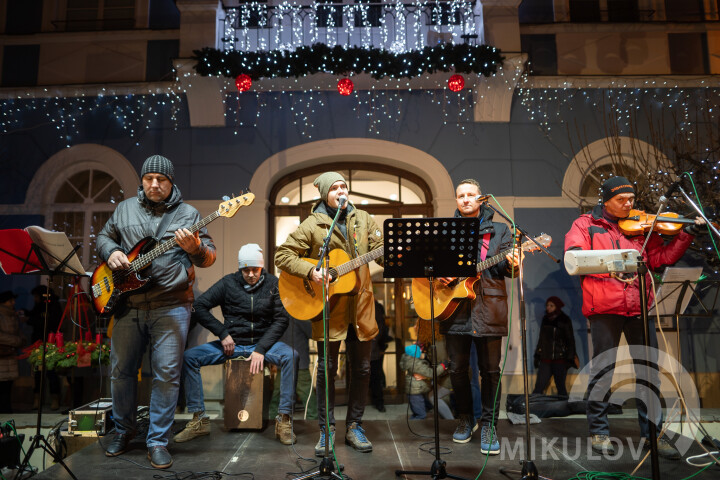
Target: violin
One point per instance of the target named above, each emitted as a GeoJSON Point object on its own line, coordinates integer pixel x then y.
{"type": "Point", "coordinates": [639, 222]}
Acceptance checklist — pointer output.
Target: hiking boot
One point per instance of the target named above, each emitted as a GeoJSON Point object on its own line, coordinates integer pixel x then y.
{"type": "Point", "coordinates": [602, 444]}
{"type": "Point", "coordinates": [320, 446]}
{"type": "Point", "coordinates": [665, 448]}
{"type": "Point", "coordinates": [355, 437]}
{"type": "Point", "coordinates": [118, 444]}
{"type": "Point", "coordinates": [197, 427]}
{"type": "Point", "coordinates": [159, 457]}
{"type": "Point", "coordinates": [489, 441]}
{"type": "Point", "coordinates": [464, 430]}
{"type": "Point", "coordinates": [284, 430]}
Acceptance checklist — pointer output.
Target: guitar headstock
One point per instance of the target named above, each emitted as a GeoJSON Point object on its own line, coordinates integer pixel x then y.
{"type": "Point", "coordinates": [230, 206]}
{"type": "Point", "coordinates": [543, 239]}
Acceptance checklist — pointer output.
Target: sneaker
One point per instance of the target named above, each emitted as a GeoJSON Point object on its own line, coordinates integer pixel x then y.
{"type": "Point", "coordinates": [320, 445]}
{"type": "Point", "coordinates": [196, 427]}
{"type": "Point", "coordinates": [489, 441]}
{"type": "Point", "coordinates": [602, 444]}
{"type": "Point", "coordinates": [665, 448]}
{"type": "Point", "coordinates": [159, 457]}
{"type": "Point", "coordinates": [355, 437]}
{"type": "Point", "coordinates": [284, 430]}
{"type": "Point", "coordinates": [464, 430]}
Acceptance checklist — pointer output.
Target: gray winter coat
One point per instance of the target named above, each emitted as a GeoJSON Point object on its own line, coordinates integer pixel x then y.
{"type": "Point", "coordinates": [173, 272]}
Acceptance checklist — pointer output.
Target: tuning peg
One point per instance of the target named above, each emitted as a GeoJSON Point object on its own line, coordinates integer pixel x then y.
{"type": "Point", "coordinates": [225, 198]}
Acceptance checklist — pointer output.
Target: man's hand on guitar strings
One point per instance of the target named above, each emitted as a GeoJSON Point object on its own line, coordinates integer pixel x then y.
{"type": "Point", "coordinates": [446, 280]}
{"type": "Point", "coordinates": [188, 241]}
{"type": "Point", "coordinates": [118, 260]}
{"type": "Point", "coordinates": [317, 276]}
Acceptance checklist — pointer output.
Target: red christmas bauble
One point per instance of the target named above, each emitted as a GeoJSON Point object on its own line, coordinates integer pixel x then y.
{"type": "Point", "coordinates": [456, 83]}
{"type": "Point", "coordinates": [243, 82]}
{"type": "Point", "coordinates": [345, 86]}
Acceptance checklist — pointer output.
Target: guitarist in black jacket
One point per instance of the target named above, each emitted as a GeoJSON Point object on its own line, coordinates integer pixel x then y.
{"type": "Point", "coordinates": [159, 315]}
{"type": "Point", "coordinates": [482, 321]}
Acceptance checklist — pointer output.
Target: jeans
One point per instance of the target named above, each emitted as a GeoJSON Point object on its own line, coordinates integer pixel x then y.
{"type": "Point", "coordinates": [165, 331]}
{"type": "Point", "coordinates": [357, 354]}
{"type": "Point", "coordinates": [419, 405]}
{"type": "Point", "coordinates": [551, 369]}
{"type": "Point", "coordinates": [212, 353]}
{"type": "Point", "coordinates": [488, 350]}
{"type": "Point", "coordinates": [605, 333]}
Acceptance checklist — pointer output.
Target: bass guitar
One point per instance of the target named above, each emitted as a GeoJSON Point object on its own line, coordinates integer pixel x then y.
{"type": "Point", "coordinates": [110, 287]}
{"type": "Point", "coordinates": [448, 297]}
{"type": "Point", "coordinates": [302, 298]}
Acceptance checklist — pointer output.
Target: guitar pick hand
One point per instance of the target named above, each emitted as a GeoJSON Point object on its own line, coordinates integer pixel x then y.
{"type": "Point", "coordinates": [117, 260]}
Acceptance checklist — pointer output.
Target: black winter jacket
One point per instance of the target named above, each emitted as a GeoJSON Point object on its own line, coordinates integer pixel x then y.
{"type": "Point", "coordinates": [487, 315]}
{"type": "Point", "coordinates": [252, 317]}
{"type": "Point", "coordinates": [556, 340]}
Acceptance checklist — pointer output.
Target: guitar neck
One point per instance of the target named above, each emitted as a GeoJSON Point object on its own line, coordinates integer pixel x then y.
{"type": "Point", "coordinates": [359, 261]}
{"type": "Point", "coordinates": [489, 262]}
{"type": "Point", "coordinates": [144, 260]}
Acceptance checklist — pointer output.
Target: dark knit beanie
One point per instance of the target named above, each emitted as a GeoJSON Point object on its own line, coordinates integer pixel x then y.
{"type": "Point", "coordinates": [614, 186]}
{"type": "Point", "coordinates": [158, 164]}
{"type": "Point", "coordinates": [325, 181]}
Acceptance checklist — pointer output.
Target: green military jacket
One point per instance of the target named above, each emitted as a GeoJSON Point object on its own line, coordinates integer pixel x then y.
{"type": "Point", "coordinates": [363, 236]}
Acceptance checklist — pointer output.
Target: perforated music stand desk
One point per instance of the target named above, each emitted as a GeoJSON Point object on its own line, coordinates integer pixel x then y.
{"type": "Point", "coordinates": [431, 248]}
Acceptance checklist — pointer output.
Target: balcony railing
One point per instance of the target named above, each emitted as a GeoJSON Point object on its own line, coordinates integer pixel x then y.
{"type": "Point", "coordinates": [397, 27]}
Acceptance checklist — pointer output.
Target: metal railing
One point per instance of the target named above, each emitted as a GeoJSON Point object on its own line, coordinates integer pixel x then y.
{"type": "Point", "coordinates": [397, 27]}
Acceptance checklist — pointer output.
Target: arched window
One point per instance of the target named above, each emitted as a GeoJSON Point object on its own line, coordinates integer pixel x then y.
{"type": "Point", "coordinates": [384, 192]}
{"type": "Point", "coordinates": [82, 206]}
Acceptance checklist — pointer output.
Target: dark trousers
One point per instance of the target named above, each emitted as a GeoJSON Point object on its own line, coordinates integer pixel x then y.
{"type": "Point", "coordinates": [605, 331]}
{"type": "Point", "coordinates": [488, 352]}
{"type": "Point", "coordinates": [52, 380]}
{"type": "Point", "coordinates": [419, 405]}
{"type": "Point", "coordinates": [357, 354]}
{"type": "Point", "coordinates": [377, 382]}
{"type": "Point", "coordinates": [551, 369]}
{"type": "Point", "coordinates": [6, 396]}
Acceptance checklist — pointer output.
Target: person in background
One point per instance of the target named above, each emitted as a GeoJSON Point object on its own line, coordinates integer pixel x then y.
{"type": "Point", "coordinates": [36, 319]}
{"type": "Point", "coordinates": [10, 340]}
{"type": "Point", "coordinates": [377, 356]}
{"type": "Point", "coordinates": [555, 350]}
{"type": "Point", "coordinates": [418, 378]}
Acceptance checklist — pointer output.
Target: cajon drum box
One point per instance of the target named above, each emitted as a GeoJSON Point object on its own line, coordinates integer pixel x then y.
{"type": "Point", "coordinates": [243, 396]}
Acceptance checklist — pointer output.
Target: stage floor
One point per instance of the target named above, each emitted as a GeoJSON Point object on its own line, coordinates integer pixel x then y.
{"type": "Point", "coordinates": [561, 450]}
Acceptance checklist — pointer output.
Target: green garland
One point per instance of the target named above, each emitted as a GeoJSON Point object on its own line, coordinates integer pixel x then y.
{"type": "Point", "coordinates": [67, 357]}
{"type": "Point", "coordinates": [320, 58]}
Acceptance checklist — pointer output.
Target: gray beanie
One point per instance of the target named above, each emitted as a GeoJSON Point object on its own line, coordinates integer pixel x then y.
{"type": "Point", "coordinates": [158, 164]}
{"type": "Point", "coordinates": [325, 181]}
{"type": "Point", "coordinates": [250, 255]}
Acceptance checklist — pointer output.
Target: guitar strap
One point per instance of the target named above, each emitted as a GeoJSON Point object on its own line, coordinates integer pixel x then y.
{"type": "Point", "coordinates": [165, 223]}
{"type": "Point", "coordinates": [485, 245]}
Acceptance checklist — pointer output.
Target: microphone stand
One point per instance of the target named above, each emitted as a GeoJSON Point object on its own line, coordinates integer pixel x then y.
{"type": "Point", "coordinates": [326, 469]}
{"type": "Point", "coordinates": [529, 470]}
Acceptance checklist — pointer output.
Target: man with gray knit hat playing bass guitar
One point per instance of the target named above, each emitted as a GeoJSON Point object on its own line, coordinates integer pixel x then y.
{"type": "Point", "coordinates": [157, 316]}
{"type": "Point", "coordinates": [355, 241]}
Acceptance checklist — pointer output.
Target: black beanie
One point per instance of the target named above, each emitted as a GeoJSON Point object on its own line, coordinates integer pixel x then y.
{"type": "Point", "coordinates": [614, 186]}
{"type": "Point", "coordinates": [158, 164]}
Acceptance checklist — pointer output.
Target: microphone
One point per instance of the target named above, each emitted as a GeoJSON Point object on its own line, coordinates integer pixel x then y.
{"type": "Point", "coordinates": [671, 189]}
{"type": "Point", "coordinates": [341, 201]}
{"type": "Point", "coordinates": [482, 198]}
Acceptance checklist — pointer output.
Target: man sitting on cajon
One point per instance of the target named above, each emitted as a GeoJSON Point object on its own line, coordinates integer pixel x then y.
{"type": "Point", "coordinates": [255, 319]}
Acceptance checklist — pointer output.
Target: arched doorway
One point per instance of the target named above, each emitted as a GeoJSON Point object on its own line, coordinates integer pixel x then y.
{"type": "Point", "coordinates": [385, 192]}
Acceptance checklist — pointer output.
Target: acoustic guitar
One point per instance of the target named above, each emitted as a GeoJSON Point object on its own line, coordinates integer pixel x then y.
{"type": "Point", "coordinates": [302, 298]}
{"type": "Point", "coordinates": [110, 287]}
{"type": "Point", "coordinates": [448, 297]}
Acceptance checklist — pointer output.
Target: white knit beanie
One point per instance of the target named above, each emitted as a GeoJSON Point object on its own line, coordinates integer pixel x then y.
{"type": "Point", "coordinates": [251, 255]}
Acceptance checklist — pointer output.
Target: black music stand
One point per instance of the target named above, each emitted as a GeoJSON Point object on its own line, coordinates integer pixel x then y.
{"type": "Point", "coordinates": [431, 248]}
{"type": "Point", "coordinates": [38, 260]}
